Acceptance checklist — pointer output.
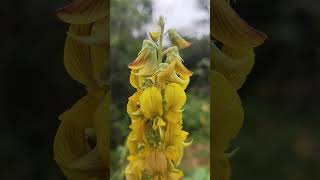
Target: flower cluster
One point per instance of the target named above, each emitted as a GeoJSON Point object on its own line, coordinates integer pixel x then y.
{"type": "Point", "coordinates": [81, 146]}
{"type": "Point", "coordinates": [232, 60]}
{"type": "Point", "coordinates": [157, 141]}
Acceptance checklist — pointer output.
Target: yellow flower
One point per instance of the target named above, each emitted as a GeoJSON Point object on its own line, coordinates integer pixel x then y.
{"type": "Point", "coordinates": [155, 110]}
{"type": "Point", "coordinates": [151, 102]}
{"type": "Point", "coordinates": [177, 40]}
{"type": "Point", "coordinates": [173, 55]}
{"type": "Point", "coordinates": [146, 62]}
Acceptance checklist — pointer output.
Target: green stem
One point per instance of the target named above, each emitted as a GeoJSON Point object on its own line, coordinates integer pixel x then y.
{"type": "Point", "coordinates": [160, 48]}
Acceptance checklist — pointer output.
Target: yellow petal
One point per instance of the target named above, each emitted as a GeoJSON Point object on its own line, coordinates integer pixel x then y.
{"type": "Point", "coordinates": [72, 154]}
{"type": "Point", "coordinates": [151, 65]}
{"type": "Point", "coordinates": [154, 35]}
{"type": "Point", "coordinates": [177, 40]}
{"type": "Point", "coordinates": [175, 97]}
{"type": "Point", "coordinates": [139, 61]}
{"type": "Point", "coordinates": [84, 11]}
{"type": "Point", "coordinates": [226, 112]}
{"type": "Point", "coordinates": [101, 127]}
{"type": "Point", "coordinates": [133, 169]}
{"type": "Point", "coordinates": [181, 69]}
{"type": "Point", "coordinates": [134, 80]}
{"type": "Point", "coordinates": [81, 113]}
{"type": "Point", "coordinates": [138, 126]}
{"type": "Point", "coordinates": [173, 116]}
{"type": "Point", "coordinates": [98, 35]}
{"type": "Point", "coordinates": [234, 63]}
{"type": "Point", "coordinates": [133, 104]}
{"type": "Point", "coordinates": [151, 102]}
{"type": "Point", "coordinates": [77, 59]}
{"type": "Point", "coordinates": [156, 162]}
{"type": "Point", "coordinates": [166, 71]}
{"type": "Point", "coordinates": [230, 29]}
{"type": "Point", "coordinates": [132, 143]}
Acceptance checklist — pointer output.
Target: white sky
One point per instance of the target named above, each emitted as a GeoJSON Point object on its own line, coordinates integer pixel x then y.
{"type": "Point", "coordinates": [182, 15]}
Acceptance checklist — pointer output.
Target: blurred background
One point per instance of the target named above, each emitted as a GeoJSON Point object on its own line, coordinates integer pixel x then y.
{"type": "Point", "coordinates": [131, 20]}
{"type": "Point", "coordinates": [281, 138]}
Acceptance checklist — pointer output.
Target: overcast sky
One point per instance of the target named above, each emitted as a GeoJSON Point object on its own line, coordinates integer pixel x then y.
{"type": "Point", "coordinates": [183, 15]}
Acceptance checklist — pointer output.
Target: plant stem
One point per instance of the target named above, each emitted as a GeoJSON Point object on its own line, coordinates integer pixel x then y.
{"type": "Point", "coordinates": [160, 48]}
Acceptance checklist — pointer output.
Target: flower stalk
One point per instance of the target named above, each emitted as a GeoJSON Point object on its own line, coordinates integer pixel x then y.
{"type": "Point", "coordinates": [157, 140]}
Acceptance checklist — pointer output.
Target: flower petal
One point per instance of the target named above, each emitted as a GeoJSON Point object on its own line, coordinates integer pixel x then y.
{"type": "Point", "coordinates": [82, 112]}
{"type": "Point", "coordinates": [175, 97]}
{"type": "Point", "coordinates": [83, 11]}
{"type": "Point", "coordinates": [151, 102]}
{"type": "Point", "coordinates": [234, 63]}
{"type": "Point", "coordinates": [226, 112]}
{"type": "Point", "coordinates": [77, 57]}
{"type": "Point", "coordinates": [98, 36]}
{"type": "Point", "coordinates": [228, 28]}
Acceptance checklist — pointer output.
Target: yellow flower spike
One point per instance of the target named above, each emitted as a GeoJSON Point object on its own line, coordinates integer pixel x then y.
{"type": "Point", "coordinates": [177, 40]}
{"type": "Point", "coordinates": [226, 112]}
{"type": "Point", "coordinates": [83, 11]}
{"type": "Point", "coordinates": [151, 102]}
{"type": "Point", "coordinates": [156, 162]}
{"type": "Point", "coordinates": [175, 97]}
{"type": "Point", "coordinates": [101, 127]}
{"type": "Point", "coordinates": [227, 27]}
{"type": "Point", "coordinates": [173, 55]}
{"type": "Point", "coordinates": [154, 35]}
{"type": "Point", "coordinates": [234, 64]}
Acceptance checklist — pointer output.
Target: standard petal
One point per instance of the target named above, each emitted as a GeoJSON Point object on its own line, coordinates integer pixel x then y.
{"type": "Point", "coordinates": [234, 63]}
{"type": "Point", "coordinates": [151, 102]}
{"type": "Point", "coordinates": [77, 57]}
{"type": "Point", "coordinates": [175, 97]}
{"type": "Point", "coordinates": [82, 112]}
{"type": "Point", "coordinates": [228, 28]}
{"type": "Point", "coordinates": [177, 40]}
{"type": "Point", "coordinates": [73, 155]}
{"type": "Point", "coordinates": [226, 112]}
{"type": "Point", "coordinates": [83, 11]}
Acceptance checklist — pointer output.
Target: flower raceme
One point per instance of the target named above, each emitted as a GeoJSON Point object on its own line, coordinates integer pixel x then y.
{"type": "Point", "coordinates": [230, 65]}
{"type": "Point", "coordinates": [81, 146]}
{"type": "Point", "coordinates": [156, 141]}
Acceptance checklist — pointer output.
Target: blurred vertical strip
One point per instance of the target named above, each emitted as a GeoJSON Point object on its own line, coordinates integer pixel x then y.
{"type": "Point", "coordinates": [81, 146]}
{"type": "Point", "coordinates": [232, 58]}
